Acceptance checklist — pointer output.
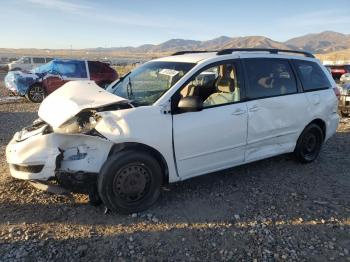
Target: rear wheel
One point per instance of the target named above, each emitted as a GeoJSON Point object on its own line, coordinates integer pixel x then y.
{"type": "Point", "coordinates": [309, 144]}
{"type": "Point", "coordinates": [36, 94]}
{"type": "Point", "coordinates": [129, 182]}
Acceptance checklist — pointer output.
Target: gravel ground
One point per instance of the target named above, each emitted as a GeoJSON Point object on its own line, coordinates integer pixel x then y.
{"type": "Point", "coordinates": [271, 210]}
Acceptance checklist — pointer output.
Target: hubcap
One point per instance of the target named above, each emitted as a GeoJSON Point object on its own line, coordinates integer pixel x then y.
{"type": "Point", "coordinates": [132, 182]}
{"type": "Point", "coordinates": [36, 93]}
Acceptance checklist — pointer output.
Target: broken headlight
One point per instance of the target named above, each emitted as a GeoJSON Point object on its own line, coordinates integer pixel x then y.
{"type": "Point", "coordinates": [83, 123]}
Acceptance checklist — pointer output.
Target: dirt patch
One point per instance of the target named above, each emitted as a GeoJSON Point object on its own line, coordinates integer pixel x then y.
{"type": "Point", "coordinates": [271, 210]}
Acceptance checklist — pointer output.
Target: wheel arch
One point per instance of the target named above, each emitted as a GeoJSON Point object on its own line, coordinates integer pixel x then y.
{"type": "Point", "coordinates": [145, 148]}
{"type": "Point", "coordinates": [321, 123]}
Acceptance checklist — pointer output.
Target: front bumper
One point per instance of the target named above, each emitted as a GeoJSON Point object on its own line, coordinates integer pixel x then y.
{"type": "Point", "coordinates": [34, 155]}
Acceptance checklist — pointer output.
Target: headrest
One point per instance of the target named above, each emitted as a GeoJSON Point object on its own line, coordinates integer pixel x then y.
{"type": "Point", "coordinates": [226, 82]}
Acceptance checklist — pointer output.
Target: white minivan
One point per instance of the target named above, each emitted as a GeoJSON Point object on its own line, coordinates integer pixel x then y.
{"type": "Point", "coordinates": [175, 118]}
{"type": "Point", "coordinates": [27, 63]}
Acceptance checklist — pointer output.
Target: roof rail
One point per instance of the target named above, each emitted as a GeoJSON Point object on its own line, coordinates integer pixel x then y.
{"type": "Point", "coordinates": [192, 52]}
{"type": "Point", "coordinates": [272, 51]}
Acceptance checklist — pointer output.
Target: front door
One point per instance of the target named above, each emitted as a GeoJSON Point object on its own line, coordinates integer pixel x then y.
{"type": "Point", "coordinates": [215, 137]}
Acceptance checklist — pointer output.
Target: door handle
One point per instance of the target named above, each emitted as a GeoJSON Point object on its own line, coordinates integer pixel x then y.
{"type": "Point", "coordinates": [238, 112]}
{"type": "Point", "coordinates": [254, 109]}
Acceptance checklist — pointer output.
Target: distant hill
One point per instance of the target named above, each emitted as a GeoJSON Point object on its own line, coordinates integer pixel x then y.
{"type": "Point", "coordinates": [319, 43]}
{"type": "Point", "coordinates": [324, 42]}
{"type": "Point", "coordinates": [254, 42]}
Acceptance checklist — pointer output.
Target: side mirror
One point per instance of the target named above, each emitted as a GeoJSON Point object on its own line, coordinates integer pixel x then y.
{"type": "Point", "coordinates": [190, 104]}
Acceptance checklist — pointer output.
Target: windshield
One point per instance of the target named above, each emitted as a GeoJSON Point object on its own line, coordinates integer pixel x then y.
{"type": "Point", "coordinates": [147, 83]}
{"type": "Point", "coordinates": [43, 68]}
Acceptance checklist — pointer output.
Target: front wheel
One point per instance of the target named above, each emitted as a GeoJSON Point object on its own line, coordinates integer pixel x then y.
{"type": "Point", "coordinates": [36, 94]}
{"type": "Point", "coordinates": [309, 144]}
{"type": "Point", "coordinates": [129, 182]}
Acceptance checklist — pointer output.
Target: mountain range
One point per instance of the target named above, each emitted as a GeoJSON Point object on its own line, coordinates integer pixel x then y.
{"type": "Point", "coordinates": [324, 42]}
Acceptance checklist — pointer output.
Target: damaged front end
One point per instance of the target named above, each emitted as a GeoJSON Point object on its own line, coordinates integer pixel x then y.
{"type": "Point", "coordinates": [68, 151]}
{"type": "Point", "coordinates": [18, 82]}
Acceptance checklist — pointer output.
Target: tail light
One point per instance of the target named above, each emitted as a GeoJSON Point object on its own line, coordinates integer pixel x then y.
{"type": "Point", "coordinates": [336, 92]}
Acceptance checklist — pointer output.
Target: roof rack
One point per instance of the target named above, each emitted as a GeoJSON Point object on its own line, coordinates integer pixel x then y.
{"type": "Point", "coordinates": [192, 52]}
{"type": "Point", "coordinates": [271, 51]}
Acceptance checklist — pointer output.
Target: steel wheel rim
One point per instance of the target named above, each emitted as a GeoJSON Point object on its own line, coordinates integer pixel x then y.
{"type": "Point", "coordinates": [36, 93]}
{"type": "Point", "coordinates": [132, 182]}
{"type": "Point", "coordinates": [310, 144]}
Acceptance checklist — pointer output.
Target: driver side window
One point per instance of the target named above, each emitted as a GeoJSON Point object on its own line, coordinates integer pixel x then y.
{"type": "Point", "coordinates": [216, 85]}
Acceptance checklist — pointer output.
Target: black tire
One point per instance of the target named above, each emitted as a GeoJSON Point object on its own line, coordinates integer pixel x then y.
{"type": "Point", "coordinates": [309, 144]}
{"type": "Point", "coordinates": [343, 114]}
{"type": "Point", "coordinates": [129, 182]}
{"type": "Point", "coordinates": [94, 199]}
{"type": "Point", "coordinates": [36, 94]}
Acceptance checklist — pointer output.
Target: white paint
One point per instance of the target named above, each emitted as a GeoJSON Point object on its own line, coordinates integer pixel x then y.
{"type": "Point", "coordinates": [73, 97]}
{"type": "Point", "coordinates": [209, 140]}
{"type": "Point", "coordinates": [38, 149]}
{"type": "Point", "coordinates": [25, 66]}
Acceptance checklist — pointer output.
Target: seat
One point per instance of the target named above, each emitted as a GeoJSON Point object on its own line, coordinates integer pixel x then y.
{"type": "Point", "coordinates": [226, 86]}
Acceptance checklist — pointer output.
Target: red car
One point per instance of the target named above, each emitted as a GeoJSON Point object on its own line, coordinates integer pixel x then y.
{"type": "Point", "coordinates": [338, 70]}
{"type": "Point", "coordinates": [43, 80]}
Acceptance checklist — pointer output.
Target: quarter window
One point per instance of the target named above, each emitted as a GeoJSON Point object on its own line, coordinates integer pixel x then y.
{"type": "Point", "coordinates": [311, 75]}
{"type": "Point", "coordinates": [269, 77]}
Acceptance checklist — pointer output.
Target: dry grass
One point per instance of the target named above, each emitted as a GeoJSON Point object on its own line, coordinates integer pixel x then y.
{"type": "Point", "coordinates": [122, 70]}
{"type": "Point", "coordinates": [343, 55]}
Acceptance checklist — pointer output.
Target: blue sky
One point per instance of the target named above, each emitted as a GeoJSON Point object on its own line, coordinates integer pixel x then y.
{"type": "Point", "coordinates": [83, 23]}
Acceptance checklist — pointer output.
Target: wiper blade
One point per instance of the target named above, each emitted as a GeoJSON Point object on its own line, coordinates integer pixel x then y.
{"type": "Point", "coordinates": [122, 77]}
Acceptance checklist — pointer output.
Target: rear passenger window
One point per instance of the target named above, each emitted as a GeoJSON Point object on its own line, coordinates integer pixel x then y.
{"type": "Point", "coordinates": [71, 68]}
{"type": "Point", "coordinates": [94, 67]}
{"type": "Point", "coordinates": [311, 75]}
{"type": "Point", "coordinates": [269, 77]}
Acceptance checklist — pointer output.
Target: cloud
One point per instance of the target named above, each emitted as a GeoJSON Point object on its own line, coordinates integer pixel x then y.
{"type": "Point", "coordinates": [60, 5]}
{"type": "Point", "coordinates": [122, 17]}
{"type": "Point", "coordinates": [94, 12]}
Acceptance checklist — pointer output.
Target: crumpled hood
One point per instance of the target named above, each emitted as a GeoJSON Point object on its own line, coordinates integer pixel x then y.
{"type": "Point", "coordinates": [20, 81]}
{"type": "Point", "coordinates": [72, 98]}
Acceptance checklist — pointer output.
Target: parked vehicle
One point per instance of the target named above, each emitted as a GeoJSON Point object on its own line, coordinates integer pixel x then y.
{"type": "Point", "coordinates": [3, 63]}
{"type": "Point", "coordinates": [345, 78]}
{"type": "Point", "coordinates": [338, 70]}
{"type": "Point", "coordinates": [43, 80]}
{"type": "Point", "coordinates": [170, 120]}
{"type": "Point", "coordinates": [28, 63]}
{"type": "Point", "coordinates": [344, 100]}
